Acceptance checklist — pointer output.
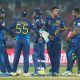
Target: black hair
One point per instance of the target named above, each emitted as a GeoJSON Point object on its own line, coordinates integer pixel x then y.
{"type": "Point", "coordinates": [77, 10]}
{"type": "Point", "coordinates": [37, 11]}
{"type": "Point", "coordinates": [54, 7]}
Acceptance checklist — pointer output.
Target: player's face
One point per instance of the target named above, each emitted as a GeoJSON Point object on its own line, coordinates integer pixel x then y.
{"type": "Point", "coordinates": [55, 12]}
{"type": "Point", "coordinates": [74, 13]}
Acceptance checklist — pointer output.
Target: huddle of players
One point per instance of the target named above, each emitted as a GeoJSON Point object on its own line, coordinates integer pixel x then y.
{"type": "Point", "coordinates": [53, 26]}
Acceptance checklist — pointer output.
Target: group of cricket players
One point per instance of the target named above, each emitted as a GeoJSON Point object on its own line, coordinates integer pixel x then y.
{"type": "Point", "coordinates": [48, 32]}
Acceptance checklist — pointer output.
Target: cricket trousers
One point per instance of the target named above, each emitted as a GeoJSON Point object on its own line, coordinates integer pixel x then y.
{"type": "Point", "coordinates": [73, 48]}
{"type": "Point", "coordinates": [39, 55]}
{"type": "Point", "coordinates": [22, 44]}
{"type": "Point", "coordinates": [4, 61]}
{"type": "Point", "coordinates": [54, 51]}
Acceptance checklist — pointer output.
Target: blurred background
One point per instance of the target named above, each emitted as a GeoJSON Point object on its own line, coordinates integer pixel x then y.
{"type": "Point", "coordinates": [14, 7]}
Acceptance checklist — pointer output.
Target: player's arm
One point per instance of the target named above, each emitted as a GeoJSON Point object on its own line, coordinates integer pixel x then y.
{"type": "Point", "coordinates": [34, 29]}
{"type": "Point", "coordinates": [2, 27]}
{"type": "Point", "coordinates": [76, 32]}
{"type": "Point", "coordinates": [77, 29]}
{"type": "Point", "coordinates": [11, 27]}
{"type": "Point", "coordinates": [48, 24]}
{"type": "Point", "coordinates": [61, 28]}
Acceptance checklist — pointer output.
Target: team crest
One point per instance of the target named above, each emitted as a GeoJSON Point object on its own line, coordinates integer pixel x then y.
{"type": "Point", "coordinates": [57, 23]}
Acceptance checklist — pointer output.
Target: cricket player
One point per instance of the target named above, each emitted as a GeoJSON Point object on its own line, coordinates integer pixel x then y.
{"type": "Point", "coordinates": [21, 29]}
{"type": "Point", "coordinates": [4, 61]}
{"type": "Point", "coordinates": [74, 56]}
{"type": "Point", "coordinates": [74, 46]}
{"type": "Point", "coordinates": [52, 24]}
{"type": "Point", "coordinates": [39, 45]}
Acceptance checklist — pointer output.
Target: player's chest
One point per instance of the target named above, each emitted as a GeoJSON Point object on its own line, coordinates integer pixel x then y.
{"type": "Point", "coordinates": [55, 22]}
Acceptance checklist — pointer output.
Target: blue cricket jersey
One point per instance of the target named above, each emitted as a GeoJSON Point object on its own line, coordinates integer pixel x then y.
{"type": "Point", "coordinates": [22, 28]}
{"type": "Point", "coordinates": [1, 34]}
{"type": "Point", "coordinates": [76, 24]}
{"type": "Point", "coordinates": [38, 22]}
{"type": "Point", "coordinates": [52, 24]}
{"type": "Point", "coordinates": [1, 31]}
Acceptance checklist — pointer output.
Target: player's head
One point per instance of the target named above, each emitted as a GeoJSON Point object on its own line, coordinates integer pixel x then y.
{"type": "Point", "coordinates": [2, 13]}
{"type": "Point", "coordinates": [36, 12]}
{"type": "Point", "coordinates": [54, 11]}
{"type": "Point", "coordinates": [76, 12]}
{"type": "Point", "coordinates": [24, 14]}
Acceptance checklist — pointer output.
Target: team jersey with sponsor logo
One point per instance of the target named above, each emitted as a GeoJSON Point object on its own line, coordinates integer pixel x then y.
{"type": "Point", "coordinates": [52, 24]}
{"type": "Point", "coordinates": [76, 24]}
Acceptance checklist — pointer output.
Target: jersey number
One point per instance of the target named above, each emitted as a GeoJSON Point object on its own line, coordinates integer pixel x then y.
{"type": "Point", "coordinates": [21, 28]}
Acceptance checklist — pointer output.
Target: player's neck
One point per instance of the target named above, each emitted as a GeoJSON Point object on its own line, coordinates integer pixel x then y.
{"type": "Point", "coordinates": [53, 16]}
{"type": "Point", "coordinates": [78, 16]}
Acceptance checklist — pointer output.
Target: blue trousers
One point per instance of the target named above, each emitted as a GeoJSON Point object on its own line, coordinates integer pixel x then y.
{"type": "Point", "coordinates": [22, 44]}
{"type": "Point", "coordinates": [54, 51]}
{"type": "Point", "coordinates": [4, 61]}
{"type": "Point", "coordinates": [75, 58]}
{"type": "Point", "coordinates": [74, 47]}
{"type": "Point", "coordinates": [38, 55]}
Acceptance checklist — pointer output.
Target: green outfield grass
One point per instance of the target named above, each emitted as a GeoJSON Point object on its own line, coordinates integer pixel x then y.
{"type": "Point", "coordinates": [62, 69]}
{"type": "Point", "coordinates": [41, 78]}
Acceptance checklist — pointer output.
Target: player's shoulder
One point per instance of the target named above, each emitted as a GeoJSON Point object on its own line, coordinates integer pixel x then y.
{"type": "Point", "coordinates": [25, 20]}
{"type": "Point", "coordinates": [14, 22]}
{"type": "Point", "coordinates": [76, 20]}
{"type": "Point", "coordinates": [48, 19]}
{"type": "Point", "coordinates": [59, 18]}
